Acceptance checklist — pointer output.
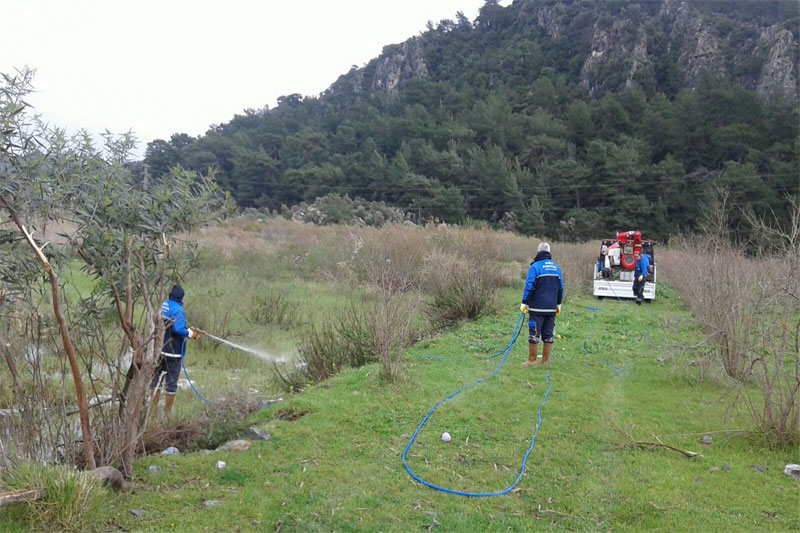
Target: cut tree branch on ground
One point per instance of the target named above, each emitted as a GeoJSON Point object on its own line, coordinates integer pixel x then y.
{"type": "Point", "coordinates": [633, 442]}
{"type": "Point", "coordinates": [22, 496]}
{"type": "Point", "coordinates": [700, 434]}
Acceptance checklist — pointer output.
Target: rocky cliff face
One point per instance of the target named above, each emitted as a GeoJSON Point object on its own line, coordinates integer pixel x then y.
{"type": "Point", "coordinates": [701, 48]}
{"type": "Point", "coordinates": [617, 53]}
{"type": "Point", "coordinates": [780, 71]}
{"type": "Point", "coordinates": [398, 64]}
{"type": "Point", "coordinates": [620, 51]}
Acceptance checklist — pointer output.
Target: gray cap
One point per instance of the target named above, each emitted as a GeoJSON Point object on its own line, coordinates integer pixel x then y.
{"type": "Point", "coordinates": [544, 247]}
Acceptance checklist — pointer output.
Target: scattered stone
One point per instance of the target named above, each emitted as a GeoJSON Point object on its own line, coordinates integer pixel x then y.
{"type": "Point", "coordinates": [172, 450]}
{"type": "Point", "coordinates": [760, 468]}
{"type": "Point", "coordinates": [661, 359]}
{"type": "Point", "coordinates": [698, 480]}
{"type": "Point", "coordinates": [356, 393]}
{"type": "Point", "coordinates": [434, 524]}
{"type": "Point", "coordinates": [257, 434]}
{"type": "Point", "coordinates": [726, 467]}
{"type": "Point", "coordinates": [430, 513]}
{"type": "Point", "coordinates": [792, 470]}
{"type": "Point", "coordinates": [235, 446]}
{"type": "Point", "coordinates": [204, 452]}
{"type": "Point", "coordinates": [707, 439]}
{"type": "Point", "coordinates": [220, 465]}
{"type": "Point", "coordinates": [212, 503]}
{"type": "Point", "coordinates": [110, 475]}
{"type": "Point", "coordinates": [138, 513]}
{"type": "Point", "coordinates": [154, 469]}
{"type": "Point", "coordinates": [714, 469]}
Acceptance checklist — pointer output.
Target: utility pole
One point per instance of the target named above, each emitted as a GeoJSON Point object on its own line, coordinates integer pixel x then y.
{"type": "Point", "coordinates": [146, 179]}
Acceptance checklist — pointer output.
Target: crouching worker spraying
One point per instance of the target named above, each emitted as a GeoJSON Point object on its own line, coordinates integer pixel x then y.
{"type": "Point", "coordinates": [175, 334]}
{"type": "Point", "coordinates": [541, 299]}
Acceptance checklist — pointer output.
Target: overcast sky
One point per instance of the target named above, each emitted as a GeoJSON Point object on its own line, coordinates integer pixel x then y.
{"type": "Point", "coordinates": [168, 66]}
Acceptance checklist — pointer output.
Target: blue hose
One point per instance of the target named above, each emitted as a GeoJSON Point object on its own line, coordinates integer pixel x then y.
{"type": "Point", "coordinates": [506, 351]}
{"type": "Point", "coordinates": [186, 373]}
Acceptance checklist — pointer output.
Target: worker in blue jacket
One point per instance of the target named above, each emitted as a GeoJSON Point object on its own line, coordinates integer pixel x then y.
{"type": "Point", "coordinates": [175, 335]}
{"type": "Point", "coordinates": [639, 274]}
{"type": "Point", "coordinates": [541, 299]}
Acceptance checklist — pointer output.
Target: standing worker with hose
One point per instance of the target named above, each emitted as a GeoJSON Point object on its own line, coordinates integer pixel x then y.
{"type": "Point", "coordinates": [175, 335]}
{"type": "Point", "coordinates": [639, 273]}
{"type": "Point", "coordinates": [541, 299]}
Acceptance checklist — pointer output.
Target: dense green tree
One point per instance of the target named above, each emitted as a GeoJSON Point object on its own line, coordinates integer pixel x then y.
{"type": "Point", "coordinates": [499, 116]}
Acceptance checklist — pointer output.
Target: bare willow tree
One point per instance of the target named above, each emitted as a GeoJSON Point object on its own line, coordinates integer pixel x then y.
{"type": "Point", "coordinates": [776, 370]}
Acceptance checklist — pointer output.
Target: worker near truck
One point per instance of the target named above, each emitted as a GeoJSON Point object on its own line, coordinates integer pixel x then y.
{"type": "Point", "coordinates": [640, 270]}
{"type": "Point", "coordinates": [541, 299]}
{"type": "Point", "coordinates": [175, 335]}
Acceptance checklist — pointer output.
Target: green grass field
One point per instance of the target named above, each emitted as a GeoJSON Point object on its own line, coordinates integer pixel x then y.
{"type": "Point", "coordinates": [337, 464]}
{"type": "Point", "coordinates": [339, 467]}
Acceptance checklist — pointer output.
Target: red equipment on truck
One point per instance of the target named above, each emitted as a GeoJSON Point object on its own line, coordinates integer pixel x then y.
{"type": "Point", "coordinates": [613, 272]}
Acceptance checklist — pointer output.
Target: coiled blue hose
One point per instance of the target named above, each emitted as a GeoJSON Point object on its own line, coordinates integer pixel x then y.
{"type": "Point", "coordinates": [506, 351]}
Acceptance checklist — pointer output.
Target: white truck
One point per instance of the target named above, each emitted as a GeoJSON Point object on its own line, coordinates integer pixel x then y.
{"type": "Point", "coordinates": [612, 273]}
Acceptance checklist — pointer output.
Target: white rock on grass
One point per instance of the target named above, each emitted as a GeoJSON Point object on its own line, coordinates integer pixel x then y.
{"type": "Point", "coordinates": [220, 465]}
{"type": "Point", "coordinates": [792, 470]}
{"type": "Point", "coordinates": [257, 434]}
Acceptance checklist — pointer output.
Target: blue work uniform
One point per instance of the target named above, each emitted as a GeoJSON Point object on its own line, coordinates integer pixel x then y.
{"type": "Point", "coordinates": [640, 269]}
{"type": "Point", "coordinates": [544, 292]}
{"type": "Point", "coordinates": [175, 334]}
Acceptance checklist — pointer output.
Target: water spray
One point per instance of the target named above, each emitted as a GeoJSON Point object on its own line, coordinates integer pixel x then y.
{"type": "Point", "coordinates": [261, 355]}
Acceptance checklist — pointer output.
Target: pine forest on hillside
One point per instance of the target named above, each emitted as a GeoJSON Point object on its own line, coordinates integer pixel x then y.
{"type": "Point", "coordinates": [571, 119]}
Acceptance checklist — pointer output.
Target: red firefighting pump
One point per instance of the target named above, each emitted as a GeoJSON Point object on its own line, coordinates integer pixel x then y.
{"type": "Point", "coordinates": [613, 271]}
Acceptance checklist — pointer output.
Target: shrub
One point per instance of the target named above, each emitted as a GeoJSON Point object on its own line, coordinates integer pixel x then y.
{"type": "Point", "coordinates": [336, 209]}
{"type": "Point", "coordinates": [347, 342]}
{"type": "Point", "coordinates": [390, 323]}
{"type": "Point", "coordinates": [271, 308]}
{"type": "Point", "coordinates": [750, 308]}
{"type": "Point", "coordinates": [459, 289]}
{"type": "Point", "coordinates": [74, 502]}
{"type": "Point", "coordinates": [393, 262]}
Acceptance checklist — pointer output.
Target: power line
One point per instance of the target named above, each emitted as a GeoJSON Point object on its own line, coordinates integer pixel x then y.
{"type": "Point", "coordinates": [394, 188]}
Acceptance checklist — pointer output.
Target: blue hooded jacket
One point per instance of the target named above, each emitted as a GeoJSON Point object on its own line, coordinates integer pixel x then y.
{"type": "Point", "coordinates": [641, 267]}
{"type": "Point", "coordinates": [544, 286]}
{"type": "Point", "coordinates": [175, 331]}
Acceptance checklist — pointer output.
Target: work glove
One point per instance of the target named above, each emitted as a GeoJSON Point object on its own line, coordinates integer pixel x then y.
{"type": "Point", "coordinates": [193, 333]}
{"type": "Point", "coordinates": [640, 277]}
{"type": "Point", "coordinates": [558, 309]}
{"type": "Point", "coordinates": [523, 308]}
